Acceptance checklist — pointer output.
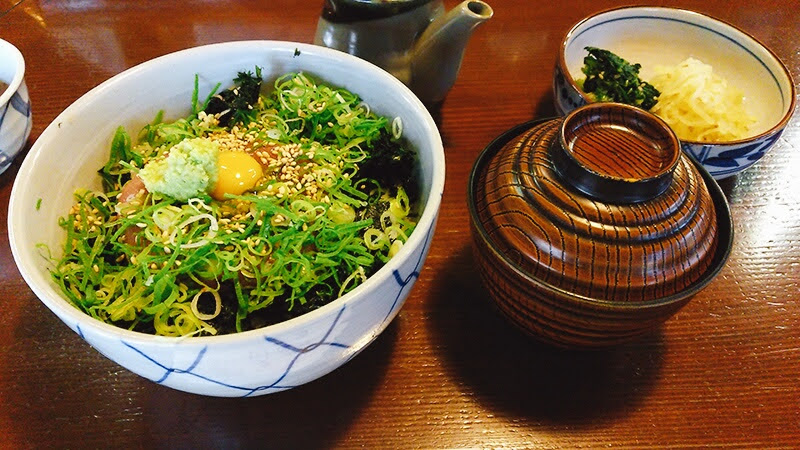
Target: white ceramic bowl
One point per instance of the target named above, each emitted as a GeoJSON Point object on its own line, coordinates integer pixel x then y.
{"type": "Point", "coordinates": [274, 358]}
{"type": "Point", "coordinates": [15, 105]}
{"type": "Point", "coordinates": [653, 36]}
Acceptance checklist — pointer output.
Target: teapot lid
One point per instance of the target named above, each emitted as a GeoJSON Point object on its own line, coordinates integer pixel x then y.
{"type": "Point", "coordinates": [602, 203]}
{"type": "Point", "coordinates": [357, 10]}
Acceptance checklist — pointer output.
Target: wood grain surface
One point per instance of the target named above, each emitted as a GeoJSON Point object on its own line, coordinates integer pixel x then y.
{"type": "Point", "coordinates": [608, 250]}
{"type": "Point", "coordinates": [578, 271]}
{"type": "Point", "coordinates": [449, 372]}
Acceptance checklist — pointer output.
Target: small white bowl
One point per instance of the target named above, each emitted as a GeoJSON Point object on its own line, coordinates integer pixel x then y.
{"type": "Point", "coordinates": [15, 105]}
{"type": "Point", "coordinates": [653, 36]}
{"type": "Point", "coordinates": [270, 359]}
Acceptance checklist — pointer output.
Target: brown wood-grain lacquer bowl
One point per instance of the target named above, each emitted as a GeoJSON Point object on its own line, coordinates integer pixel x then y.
{"type": "Point", "coordinates": [592, 229]}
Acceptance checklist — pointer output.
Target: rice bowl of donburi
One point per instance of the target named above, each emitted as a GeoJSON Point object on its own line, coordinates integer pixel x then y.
{"type": "Point", "coordinates": [72, 172]}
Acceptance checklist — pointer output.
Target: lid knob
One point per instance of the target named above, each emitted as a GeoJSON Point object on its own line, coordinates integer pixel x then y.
{"type": "Point", "coordinates": [616, 153]}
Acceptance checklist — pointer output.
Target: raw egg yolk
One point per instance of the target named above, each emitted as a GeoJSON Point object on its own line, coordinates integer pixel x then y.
{"type": "Point", "coordinates": [238, 173]}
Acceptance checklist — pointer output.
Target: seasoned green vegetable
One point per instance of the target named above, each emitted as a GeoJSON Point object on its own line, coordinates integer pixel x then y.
{"type": "Point", "coordinates": [610, 78]}
{"type": "Point", "coordinates": [236, 105]}
{"type": "Point", "coordinates": [391, 164]}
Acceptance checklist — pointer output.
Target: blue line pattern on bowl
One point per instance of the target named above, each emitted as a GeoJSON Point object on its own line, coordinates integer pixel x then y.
{"type": "Point", "coordinates": [726, 160]}
{"type": "Point", "coordinates": [15, 115]}
{"type": "Point", "coordinates": [405, 281]}
{"type": "Point", "coordinates": [18, 103]}
{"type": "Point", "coordinates": [299, 350]}
{"type": "Point", "coordinates": [247, 391]}
{"type": "Point", "coordinates": [5, 158]}
{"type": "Point", "coordinates": [566, 97]}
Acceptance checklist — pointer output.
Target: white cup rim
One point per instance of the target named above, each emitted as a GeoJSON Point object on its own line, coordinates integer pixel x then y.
{"type": "Point", "coordinates": [19, 70]}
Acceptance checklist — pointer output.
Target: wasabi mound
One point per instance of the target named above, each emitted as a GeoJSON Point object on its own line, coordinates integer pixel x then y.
{"type": "Point", "coordinates": [189, 170]}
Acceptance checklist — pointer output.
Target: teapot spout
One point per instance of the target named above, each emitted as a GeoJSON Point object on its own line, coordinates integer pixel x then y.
{"type": "Point", "coordinates": [436, 57]}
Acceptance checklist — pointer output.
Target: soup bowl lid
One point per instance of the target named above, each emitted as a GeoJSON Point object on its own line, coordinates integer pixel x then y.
{"type": "Point", "coordinates": [601, 204]}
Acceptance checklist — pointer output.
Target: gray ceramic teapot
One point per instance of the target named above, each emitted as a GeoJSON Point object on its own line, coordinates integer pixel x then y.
{"type": "Point", "coordinates": [417, 41]}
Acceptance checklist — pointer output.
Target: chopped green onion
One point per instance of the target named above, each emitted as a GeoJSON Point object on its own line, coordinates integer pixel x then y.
{"type": "Point", "coordinates": [204, 267]}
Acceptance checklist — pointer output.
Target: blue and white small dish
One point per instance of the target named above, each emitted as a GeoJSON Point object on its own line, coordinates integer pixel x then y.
{"type": "Point", "coordinates": [15, 105]}
{"type": "Point", "coordinates": [656, 36]}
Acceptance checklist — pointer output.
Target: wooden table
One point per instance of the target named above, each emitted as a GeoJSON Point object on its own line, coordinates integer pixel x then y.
{"type": "Point", "coordinates": [448, 372]}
